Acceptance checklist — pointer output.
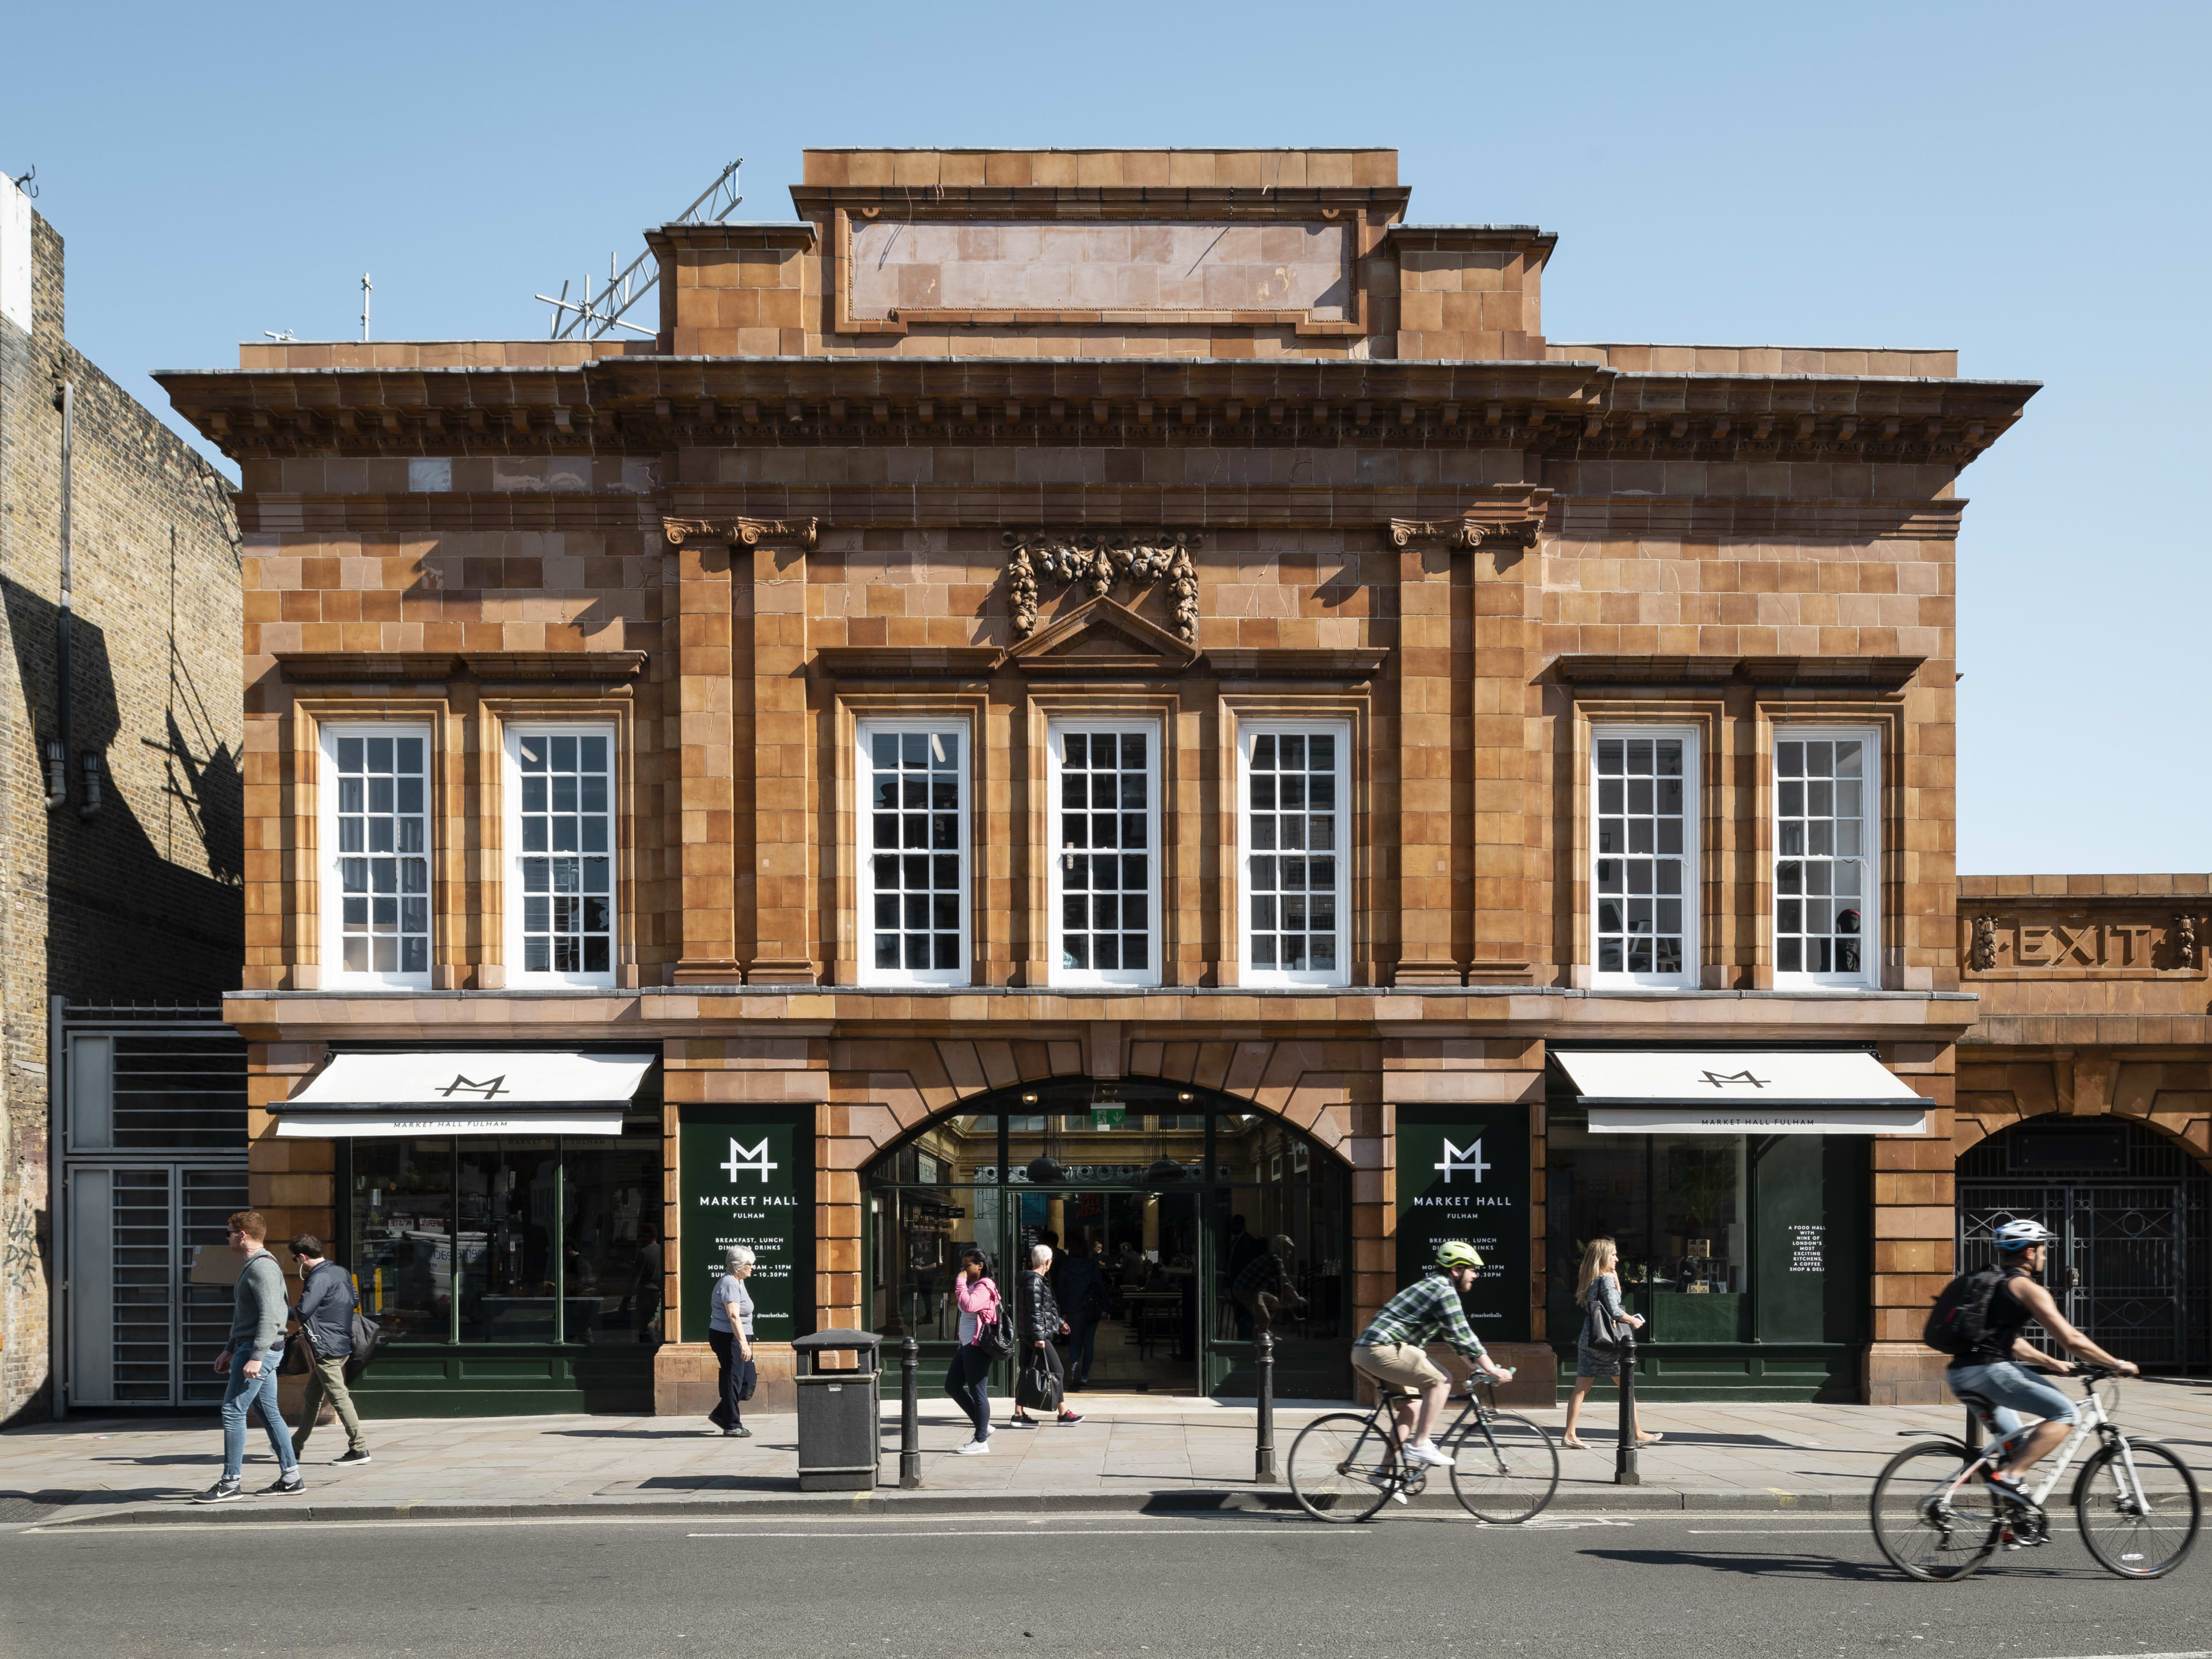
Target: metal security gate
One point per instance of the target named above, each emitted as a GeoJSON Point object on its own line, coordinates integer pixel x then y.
{"type": "Point", "coordinates": [153, 1115]}
{"type": "Point", "coordinates": [141, 1333]}
{"type": "Point", "coordinates": [2133, 1266]}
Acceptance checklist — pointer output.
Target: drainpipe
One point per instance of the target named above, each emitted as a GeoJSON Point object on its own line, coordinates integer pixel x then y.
{"type": "Point", "coordinates": [58, 750]}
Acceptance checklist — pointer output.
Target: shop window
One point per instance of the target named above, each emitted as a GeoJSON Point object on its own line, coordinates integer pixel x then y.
{"type": "Point", "coordinates": [509, 1240]}
{"type": "Point", "coordinates": [913, 869]}
{"type": "Point", "coordinates": [1643, 843]}
{"type": "Point", "coordinates": [1105, 787]}
{"type": "Point", "coordinates": [561, 831]}
{"type": "Point", "coordinates": [1291, 823]}
{"type": "Point", "coordinates": [1826, 835]}
{"type": "Point", "coordinates": [375, 809]}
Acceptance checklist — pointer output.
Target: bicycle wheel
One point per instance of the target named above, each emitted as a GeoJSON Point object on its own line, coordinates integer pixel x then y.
{"type": "Point", "coordinates": [1927, 1530]}
{"type": "Point", "coordinates": [1504, 1468]}
{"type": "Point", "coordinates": [2138, 1526]}
{"type": "Point", "coordinates": [1330, 1461]}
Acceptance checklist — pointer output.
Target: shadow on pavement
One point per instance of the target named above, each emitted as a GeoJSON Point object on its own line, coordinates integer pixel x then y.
{"type": "Point", "coordinates": [1757, 1566]}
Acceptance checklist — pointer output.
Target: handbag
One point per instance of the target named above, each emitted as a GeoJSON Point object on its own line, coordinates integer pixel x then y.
{"type": "Point", "coordinates": [1036, 1389]}
{"type": "Point", "coordinates": [749, 1381]}
{"type": "Point", "coordinates": [996, 1339]}
{"type": "Point", "coordinates": [1603, 1335]}
{"type": "Point", "coordinates": [295, 1362]}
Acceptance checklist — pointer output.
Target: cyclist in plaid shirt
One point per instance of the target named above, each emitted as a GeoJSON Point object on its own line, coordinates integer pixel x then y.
{"type": "Point", "coordinates": [1392, 1349]}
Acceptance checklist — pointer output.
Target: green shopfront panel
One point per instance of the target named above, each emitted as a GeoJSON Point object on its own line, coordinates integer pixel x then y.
{"type": "Point", "coordinates": [1463, 1173]}
{"type": "Point", "coordinates": [745, 1176]}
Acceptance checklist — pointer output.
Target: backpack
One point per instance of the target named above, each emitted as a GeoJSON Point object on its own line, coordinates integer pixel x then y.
{"type": "Point", "coordinates": [1961, 1316]}
{"type": "Point", "coordinates": [997, 1337]}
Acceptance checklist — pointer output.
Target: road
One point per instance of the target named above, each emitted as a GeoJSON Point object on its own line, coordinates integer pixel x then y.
{"type": "Point", "coordinates": [1671, 1586]}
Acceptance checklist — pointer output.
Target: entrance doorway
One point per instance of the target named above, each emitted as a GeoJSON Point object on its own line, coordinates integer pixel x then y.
{"type": "Point", "coordinates": [2133, 1212]}
{"type": "Point", "coordinates": [1158, 1201]}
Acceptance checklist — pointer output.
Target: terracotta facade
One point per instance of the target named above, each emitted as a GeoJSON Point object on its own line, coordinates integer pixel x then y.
{"type": "Point", "coordinates": [1009, 477]}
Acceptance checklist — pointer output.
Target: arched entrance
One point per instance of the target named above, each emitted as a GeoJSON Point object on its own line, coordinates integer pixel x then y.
{"type": "Point", "coordinates": [2133, 1212]}
{"type": "Point", "coordinates": [1174, 1190]}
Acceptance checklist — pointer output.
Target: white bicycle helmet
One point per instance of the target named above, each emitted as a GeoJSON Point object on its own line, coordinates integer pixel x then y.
{"type": "Point", "coordinates": [2019, 1235]}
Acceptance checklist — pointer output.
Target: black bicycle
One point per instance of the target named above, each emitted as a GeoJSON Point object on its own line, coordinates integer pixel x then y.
{"type": "Point", "coordinates": [1937, 1516]}
{"type": "Point", "coordinates": [1344, 1466]}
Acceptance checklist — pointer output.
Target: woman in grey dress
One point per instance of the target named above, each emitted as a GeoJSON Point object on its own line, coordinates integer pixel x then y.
{"type": "Point", "coordinates": [1599, 1284]}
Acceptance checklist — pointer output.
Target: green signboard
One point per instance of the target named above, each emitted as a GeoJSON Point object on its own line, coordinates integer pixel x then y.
{"type": "Point", "coordinates": [746, 1176]}
{"type": "Point", "coordinates": [1463, 1173]}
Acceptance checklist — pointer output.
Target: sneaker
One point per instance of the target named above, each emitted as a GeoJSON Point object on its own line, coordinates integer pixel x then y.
{"type": "Point", "coordinates": [353, 1456]}
{"type": "Point", "coordinates": [286, 1484]}
{"type": "Point", "coordinates": [1021, 1422]}
{"type": "Point", "coordinates": [1422, 1451]}
{"type": "Point", "coordinates": [1383, 1481]}
{"type": "Point", "coordinates": [975, 1448]}
{"type": "Point", "coordinates": [738, 1432]}
{"type": "Point", "coordinates": [223, 1492]}
{"type": "Point", "coordinates": [1071, 1417]}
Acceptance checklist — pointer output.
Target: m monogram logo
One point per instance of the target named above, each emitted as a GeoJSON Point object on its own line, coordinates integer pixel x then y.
{"type": "Point", "coordinates": [1463, 1160]}
{"type": "Point", "coordinates": [491, 1090]}
{"type": "Point", "coordinates": [754, 1158]}
{"type": "Point", "coordinates": [1716, 1078]}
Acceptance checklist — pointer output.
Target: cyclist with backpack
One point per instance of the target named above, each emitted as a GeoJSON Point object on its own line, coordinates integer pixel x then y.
{"type": "Point", "coordinates": [1977, 1321]}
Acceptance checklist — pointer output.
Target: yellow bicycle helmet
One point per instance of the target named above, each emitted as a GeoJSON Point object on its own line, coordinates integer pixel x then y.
{"type": "Point", "coordinates": [1456, 1252]}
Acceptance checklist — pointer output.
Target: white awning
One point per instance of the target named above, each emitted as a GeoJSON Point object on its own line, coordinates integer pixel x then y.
{"type": "Point", "coordinates": [443, 1091]}
{"type": "Point", "coordinates": [1742, 1092]}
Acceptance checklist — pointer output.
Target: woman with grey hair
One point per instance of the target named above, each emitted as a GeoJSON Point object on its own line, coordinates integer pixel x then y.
{"type": "Point", "coordinates": [1041, 1322]}
{"type": "Point", "coordinates": [730, 1334]}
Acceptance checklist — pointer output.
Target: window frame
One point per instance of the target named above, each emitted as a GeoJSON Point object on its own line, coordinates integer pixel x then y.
{"type": "Point", "coordinates": [511, 735]}
{"type": "Point", "coordinates": [1056, 729]}
{"type": "Point", "coordinates": [1872, 817]}
{"type": "Point", "coordinates": [1280, 978]}
{"type": "Point", "coordinates": [864, 946]}
{"type": "Point", "coordinates": [330, 897]}
{"type": "Point", "coordinates": [1692, 975]}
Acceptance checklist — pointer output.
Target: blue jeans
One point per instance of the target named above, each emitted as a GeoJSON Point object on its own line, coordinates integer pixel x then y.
{"type": "Point", "coordinates": [968, 1382]}
{"type": "Point", "coordinates": [2015, 1390]}
{"type": "Point", "coordinates": [241, 1394]}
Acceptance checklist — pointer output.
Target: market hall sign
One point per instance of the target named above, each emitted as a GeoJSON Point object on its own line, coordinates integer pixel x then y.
{"type": "Point", "coordinates": [745, 1176]}
{"type": "Point", "coordinates": [1463, 1173]}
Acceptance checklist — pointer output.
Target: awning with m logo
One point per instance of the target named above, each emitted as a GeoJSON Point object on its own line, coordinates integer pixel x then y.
{"type": "Point", "coordinates": [443, 1091]}
{"type": "Point", "coordinates": [1742, 1092]}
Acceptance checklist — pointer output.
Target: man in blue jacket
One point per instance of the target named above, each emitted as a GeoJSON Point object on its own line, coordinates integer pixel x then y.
{"type": "Point", "coordinates": [325, 1317]}
{"type": "Point", "coordinates": [248, 1363]}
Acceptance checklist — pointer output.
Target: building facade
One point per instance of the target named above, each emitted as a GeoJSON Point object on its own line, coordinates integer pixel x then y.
{"type": "Point", "coordinates": [1134, 695]}
{"type": "Point", "coordinates": [120, 823]}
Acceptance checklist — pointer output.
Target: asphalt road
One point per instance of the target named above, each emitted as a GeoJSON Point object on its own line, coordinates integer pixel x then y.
{"type": "Point", "coordinates": [1695, 1587]}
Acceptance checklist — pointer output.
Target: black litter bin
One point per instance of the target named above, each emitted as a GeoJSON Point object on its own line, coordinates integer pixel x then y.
{"type": "Point", "coordinates": [840, 1435]}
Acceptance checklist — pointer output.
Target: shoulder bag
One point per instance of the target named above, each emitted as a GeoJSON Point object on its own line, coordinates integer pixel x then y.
{"type": "Point", "coordinates": [996, 1338]}
{"type": "Point", "coordinates": [1603, 1334]}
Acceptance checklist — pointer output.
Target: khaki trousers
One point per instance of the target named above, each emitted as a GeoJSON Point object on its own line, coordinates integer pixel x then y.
{"type": "Point", "coordinates": [327, 1376]}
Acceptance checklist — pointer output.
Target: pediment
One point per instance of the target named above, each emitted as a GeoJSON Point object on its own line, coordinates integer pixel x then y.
{"type": "Point", "coordinates": [1102, 636]}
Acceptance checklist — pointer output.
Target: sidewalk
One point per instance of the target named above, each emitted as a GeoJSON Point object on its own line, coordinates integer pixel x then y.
{"type": "Point", "coordinates": [1133, 1451]}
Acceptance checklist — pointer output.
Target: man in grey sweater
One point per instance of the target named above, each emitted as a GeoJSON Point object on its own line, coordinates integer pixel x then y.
{"type": "Point", "coordinates": [249, 1363]}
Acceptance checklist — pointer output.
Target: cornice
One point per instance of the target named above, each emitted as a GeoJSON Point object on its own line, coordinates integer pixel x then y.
{"type": "Point", "coordinates": [640, 404]}
{"type": "Point", "coordinates": [343, 667]}
{"type": "Point", "coordinates": [1843, 673]}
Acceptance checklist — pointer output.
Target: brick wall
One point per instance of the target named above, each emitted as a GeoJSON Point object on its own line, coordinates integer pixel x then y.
{"type": "Point", "coordinates": [141, 900]}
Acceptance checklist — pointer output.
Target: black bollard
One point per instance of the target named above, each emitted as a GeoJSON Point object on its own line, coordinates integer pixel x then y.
{"type": "Point", "coordinates": [909, 1414]}
{"type": "Point", "coordinates": [1624, 1457]}
{"type": "Point", "coordinates": [1263, 1453]}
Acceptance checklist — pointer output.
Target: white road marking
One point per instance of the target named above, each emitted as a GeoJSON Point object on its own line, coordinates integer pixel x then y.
{"type": "Point", "coordinates": [1077, 1532]}
{"type": "Point", "coordinates": [2194, 1653]}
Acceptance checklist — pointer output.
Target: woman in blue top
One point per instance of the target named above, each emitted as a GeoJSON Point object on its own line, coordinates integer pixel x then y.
{"type": "Point", "coordinates": [730, 1334]}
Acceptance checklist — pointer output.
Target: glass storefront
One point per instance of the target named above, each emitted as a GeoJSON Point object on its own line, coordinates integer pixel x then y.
{"type": "Point", "coordinates": [1173, 1192]}
{"type": "Point", "coordinates": [1745, 1253]}
{"type": "Point", "coordinates": [492, 1261]}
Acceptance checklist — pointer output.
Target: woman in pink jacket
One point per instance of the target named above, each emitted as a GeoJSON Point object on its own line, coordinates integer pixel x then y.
{"type": "Point", "coordinates": [968, 1381]}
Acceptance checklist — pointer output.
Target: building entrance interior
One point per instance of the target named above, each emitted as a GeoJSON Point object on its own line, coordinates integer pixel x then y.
{"type": "Point", "coordinates": [1159, 1200]}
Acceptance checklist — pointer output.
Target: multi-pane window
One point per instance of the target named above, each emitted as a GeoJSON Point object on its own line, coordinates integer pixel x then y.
{"type": "Point", "coordinates": [376, 817]}
{"type": "Point", "coordinates": [1644, 926]}
{"type": "Point", "coordinates": [1825, 859]}
{"type": "Point", "coordinates": [1293, 854]}
{"type": "Point", "coordinates": [1105, 789]}
{"type": "Point", "coordinates": [561, 816]}
{"type": "Point", "coordinates": [913, 859]}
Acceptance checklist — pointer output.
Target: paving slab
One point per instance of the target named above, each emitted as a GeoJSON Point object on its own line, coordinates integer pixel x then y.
{"type": "Point", "coordinates": [1130, 1452]}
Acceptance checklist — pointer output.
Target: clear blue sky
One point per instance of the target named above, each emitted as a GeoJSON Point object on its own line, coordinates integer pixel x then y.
{"type": "Point", "coordinates": [2025, 182]}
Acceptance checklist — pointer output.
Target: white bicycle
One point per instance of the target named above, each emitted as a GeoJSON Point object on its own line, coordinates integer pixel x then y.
{"type": "Point", "coordinates": [1937, 1517]}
